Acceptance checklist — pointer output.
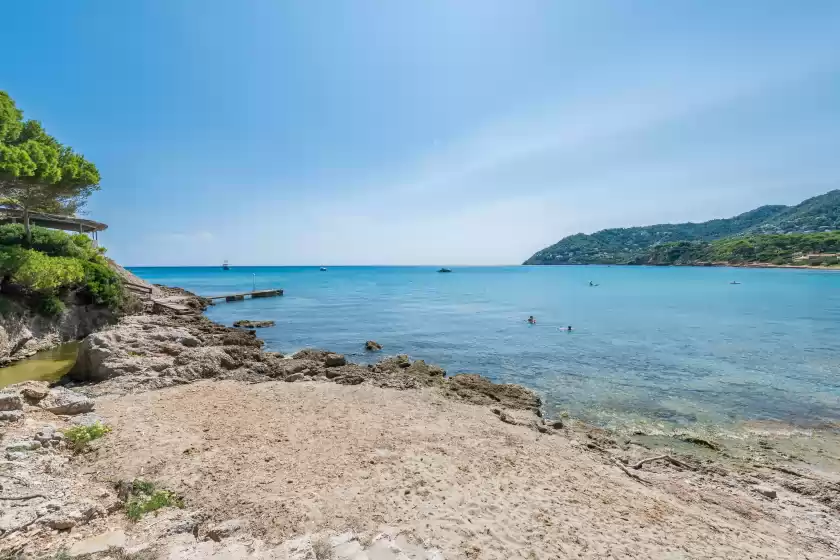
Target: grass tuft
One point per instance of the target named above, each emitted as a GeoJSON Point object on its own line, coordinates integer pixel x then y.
{"type": "Point", "coordinates": [145, 498]}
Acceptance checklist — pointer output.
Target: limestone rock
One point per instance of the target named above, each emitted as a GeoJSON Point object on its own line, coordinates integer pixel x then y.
{"type": "Point", "coordinates": [480, 390]}
{"type": "Point", "coordinates": [16, 519]}
{"type": "Point", "coordinates": [35, 393]}
{"type": "Point", "coordinates": [248, 324]}
{"type": "Point", "coordinates": [62, 521]}
{"type": "Point", "coordinates": [766, 491]}
{"type": "Point", "coordinates": [372, 346]}
{"type": "Point", "coordinates": [61, 400]}
{"type": "Point", "coordinates": [10, 401]}
{"type": "Point", "coordinates": [11, 415]}
{"type": "Point", "coordinates": [312, 354]}
{"type": "Point", "coordinates": [225, 529]}
{"type": "Point", "coordinates": [335, 360]}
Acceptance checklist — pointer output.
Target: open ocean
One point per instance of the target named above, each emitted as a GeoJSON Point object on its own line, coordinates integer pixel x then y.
{"type": "Point", "coordinates": [652, 345]}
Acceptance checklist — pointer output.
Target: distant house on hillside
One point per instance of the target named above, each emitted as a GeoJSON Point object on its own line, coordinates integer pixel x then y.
{"type": "Point", "coordinates": [55, 221]}
{"type": "Point", "coordinates": [819, 258]}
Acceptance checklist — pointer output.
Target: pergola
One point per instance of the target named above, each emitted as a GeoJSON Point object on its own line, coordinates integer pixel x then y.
{"type": "Point", "coordinates": [54, 221]}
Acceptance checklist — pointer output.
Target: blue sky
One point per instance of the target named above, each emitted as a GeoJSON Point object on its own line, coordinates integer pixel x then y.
{"type": "Point", "coordinates": [469, 132]}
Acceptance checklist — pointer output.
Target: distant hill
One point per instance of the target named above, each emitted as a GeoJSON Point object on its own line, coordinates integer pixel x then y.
{"type": "Point", "coordinates": [633, 245]}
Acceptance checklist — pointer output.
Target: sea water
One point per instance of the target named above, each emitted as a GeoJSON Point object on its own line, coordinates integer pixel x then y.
{"type": "Point", "coordinates": [667, 345]}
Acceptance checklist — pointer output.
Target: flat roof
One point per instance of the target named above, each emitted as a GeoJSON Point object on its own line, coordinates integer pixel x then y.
{"type": "Point", "coordinates": [52, 221]}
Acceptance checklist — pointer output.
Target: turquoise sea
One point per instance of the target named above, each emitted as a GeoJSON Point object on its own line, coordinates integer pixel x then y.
{"type": "Point", "coordinates": [669, 346]}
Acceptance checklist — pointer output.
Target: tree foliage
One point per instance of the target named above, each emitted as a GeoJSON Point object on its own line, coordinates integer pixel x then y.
{"type": "Point", "coordinates": [761, 249]}
{"type": "Point", "coordinates": [629, 245]}
{"type": "Point", "coordinates": [38, 173]}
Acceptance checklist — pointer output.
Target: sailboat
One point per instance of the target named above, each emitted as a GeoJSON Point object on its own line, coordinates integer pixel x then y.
{"type": "Point", "coordinates": [225, 266]}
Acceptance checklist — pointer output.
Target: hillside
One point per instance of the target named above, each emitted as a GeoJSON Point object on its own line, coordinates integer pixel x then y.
{"type": "Point", "coordinates": [631, 245]}
{"type": "Point", "coordinates": [774, 249]}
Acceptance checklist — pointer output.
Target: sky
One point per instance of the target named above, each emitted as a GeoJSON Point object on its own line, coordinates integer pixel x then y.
{"type": "Point", "coordinates": [338, 132]}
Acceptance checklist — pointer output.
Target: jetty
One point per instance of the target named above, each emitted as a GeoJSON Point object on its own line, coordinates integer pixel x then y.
{"type": "Point", "coordinates": [243, 295]}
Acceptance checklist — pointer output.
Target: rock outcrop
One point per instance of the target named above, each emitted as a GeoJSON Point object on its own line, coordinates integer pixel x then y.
{"type": "Point", "coordinates": [156, 351]}
{"type": "Point", "coordinates": [61, 400]}
{"type": "Point", "coordinates": [23, 333]}
{"type": "Point", "coordinates": [248, 324]}
{"type": "Point", "coordinates": [372, 346]}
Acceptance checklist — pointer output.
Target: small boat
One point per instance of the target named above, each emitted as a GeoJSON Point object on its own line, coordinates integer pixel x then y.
{"type": "Point", "coordinates": [445, 270]}
{"type": "Point", "coordinates": [323, 269]}
{"type": "Point", "coordinates": [225, 266]}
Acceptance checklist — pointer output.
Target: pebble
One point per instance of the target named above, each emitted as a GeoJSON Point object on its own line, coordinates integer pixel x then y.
{"type": "Point", "coordinates": [766, 491]}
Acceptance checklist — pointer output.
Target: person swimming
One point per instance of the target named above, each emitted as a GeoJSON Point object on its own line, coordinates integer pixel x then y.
{"type": "Point", "coordinates": [531, 320]}
{"type": "Point", "coordinates": [569, 328]}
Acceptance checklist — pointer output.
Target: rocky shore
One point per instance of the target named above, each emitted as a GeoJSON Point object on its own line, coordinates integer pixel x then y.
{"type": "Point", "coordinates": [250, 454]}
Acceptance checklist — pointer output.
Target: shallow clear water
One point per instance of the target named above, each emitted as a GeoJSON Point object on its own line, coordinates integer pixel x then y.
{"type": "Point", "coordinates": [670, 345]}
{"type": "Point", "coordinates": [48, 365]}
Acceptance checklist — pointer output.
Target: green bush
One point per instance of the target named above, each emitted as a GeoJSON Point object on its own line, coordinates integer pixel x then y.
{"type": "Point", "coordinates": [80, 436]}
{"type": "Point", "coordinates": [51, 306]}
{"type": "Point", "coordinates": [102, 284]}
{"type": "Point", "coordinates": [54, 243]}
{"type": "Point", "coordinates": [56, 262]}
{"type": "Point", "coordinates": [37, 272]}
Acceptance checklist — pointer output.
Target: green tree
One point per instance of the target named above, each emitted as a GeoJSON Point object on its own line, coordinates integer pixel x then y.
{"type": "Point", "coordinates": [37, 173]}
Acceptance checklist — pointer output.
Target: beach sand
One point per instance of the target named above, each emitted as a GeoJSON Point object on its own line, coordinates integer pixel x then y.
{"type": "Point", "coordinates": [293, 458]}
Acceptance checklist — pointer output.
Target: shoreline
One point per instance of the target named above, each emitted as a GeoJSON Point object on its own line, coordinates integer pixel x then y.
{"type": "Point", "coordinates": [711, 265]}
{"type": "Point", "coordinates": [273, 455]}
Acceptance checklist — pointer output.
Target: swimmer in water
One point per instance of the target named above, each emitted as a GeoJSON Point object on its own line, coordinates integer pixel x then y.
{"type": "Point", "coordinates": [532, 320]}
{"type": "Point", "coordinates": [569, 328]}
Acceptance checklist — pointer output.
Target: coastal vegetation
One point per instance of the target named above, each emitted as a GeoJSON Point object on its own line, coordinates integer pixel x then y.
{"type": "Point", "coordinates": [763, 229]}
{"type": "Point", "coordinates": [37, 172]}
{"type": "Point", "coordinates": [79, 437]}
{"type": "Point", "coordinates": [145, 497]}
{"type": "Point", "coordinates": [54, 264]}
{"type": "Point", "coordinates": [780, 249]}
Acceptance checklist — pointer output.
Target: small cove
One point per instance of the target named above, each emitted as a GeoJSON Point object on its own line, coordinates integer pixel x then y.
{"type": "Point", "coordinates": [653, 348]}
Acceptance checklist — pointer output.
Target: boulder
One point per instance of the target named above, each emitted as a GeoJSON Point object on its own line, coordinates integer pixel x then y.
{"type": "Point", "coordinates": [11, 415]}
{"type": "Point", "coordinates": [61, 400]}
{"type": "Point", "coordinates": [10, 401]}
{"type": "Point", "coordinates": [372, 346]}
{"type": "Point", "coordinates": [226, 529]}
{"type": "Point", "coordinates": [248, 324]}
{"type": "Point", "coordinates": [480, 390]}
{"type": "Point", "coordinates": [311, 354]}
{"type": "Point", "coordinates": [35, 393]}
{"type": "Point", "coordinates": [334, 360]}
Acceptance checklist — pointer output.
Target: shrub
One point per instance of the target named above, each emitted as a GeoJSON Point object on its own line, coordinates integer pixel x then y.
{"type": "Point", "coordinates": [38, 272]}
{"type": "Point", "coordinates": [51, 306]}
{"type": "Point", "coordinates": [80, 436]}
{"type": "Point", "coordinates": [102, 284]}
{"type": "Point", "coordinates": [145, 498]}
{"type": "Point", "coordinates": [52, 242]}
